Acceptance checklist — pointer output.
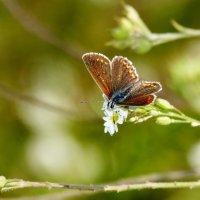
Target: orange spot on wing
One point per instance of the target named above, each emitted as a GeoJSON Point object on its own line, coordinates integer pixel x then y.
{"type": "Point", "coordinates": [124, 63]}
{"type": "Point", "coordinates": [146, 84]}
{"type": "Point", "coordinates": [133, 76]}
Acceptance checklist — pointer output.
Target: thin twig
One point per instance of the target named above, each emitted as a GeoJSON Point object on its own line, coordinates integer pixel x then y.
{"type": "Point", "coordinates": [21, 184]}
{"type": "Point", "coordinates": [14, 95]}
{"type": "Point", "coordinates": [31, 24]}
{"type": "Point", "coordinates": [52, 196]}
{"type": "Point", "coordinates": [154, 177]}
{"type": "Point", "coordinates": [152, 185]}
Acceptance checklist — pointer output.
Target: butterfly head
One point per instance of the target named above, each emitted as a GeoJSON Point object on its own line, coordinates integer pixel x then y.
{"type": "Point", "coordinates": [110, 105]}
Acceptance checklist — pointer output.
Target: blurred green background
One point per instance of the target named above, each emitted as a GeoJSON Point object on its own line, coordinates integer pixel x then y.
{"type": "Point", "coordinates": [39, 144]}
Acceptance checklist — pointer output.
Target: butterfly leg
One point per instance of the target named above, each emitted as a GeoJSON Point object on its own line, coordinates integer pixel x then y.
{"type": "Point", "coordinates": [111, 104]}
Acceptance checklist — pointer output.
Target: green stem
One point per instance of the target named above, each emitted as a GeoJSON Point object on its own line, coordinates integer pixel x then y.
{"type": "Point", "coordinates": [184, 118]}
{"type": "Point", "coordinates": [158, 39]}
{"type": "Point", "coordinates": [19, 184]}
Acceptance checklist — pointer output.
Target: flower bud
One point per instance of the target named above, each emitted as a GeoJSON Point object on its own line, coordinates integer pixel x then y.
{"type": "Point", "coordinates": [140, 43]}
{"type": "Point", "coordinates": [135, 19]}
{"type": "Point", "coordinates": [163, 120]}
{"type": "Point", "coordinates": [154, 113]}
{"type": "Point", "coordinates": [162, 103]}
{"type": "Point", "coordinates": [131, 32]}
{"type": "Point", "coordinates": [140, 111]}
{"type": "Point", "coordinates": [194, 124]}
{"type": "Point", "coordinates": [132, 119]}
{"type": "Point", "coordinates": [2, 181]}
{"type": "Point", "coordinates": [122, 32]}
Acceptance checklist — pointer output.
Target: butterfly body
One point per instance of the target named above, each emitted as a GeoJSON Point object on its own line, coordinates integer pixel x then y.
{"type": "Point", "coordinates": [119, 81]}
{"type": "Point", "coordinates": [118, 97]}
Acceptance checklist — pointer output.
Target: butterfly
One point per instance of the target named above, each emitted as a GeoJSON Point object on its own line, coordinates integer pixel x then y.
{"type": "Point", "coordinates": [119, 81]}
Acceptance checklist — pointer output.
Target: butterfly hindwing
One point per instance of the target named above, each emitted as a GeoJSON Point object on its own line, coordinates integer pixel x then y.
{"type": "Point", "coordinates": [99, 67]}
{"type": "Point", "coordinates": [142, 93]}
{"type": "Point", "coordinates": [143, 88]}
{"type": "Point", "coordinates": [139, 101]}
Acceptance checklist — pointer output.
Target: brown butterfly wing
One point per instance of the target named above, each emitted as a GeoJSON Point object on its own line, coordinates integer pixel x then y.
{"type": "Point", "coordinates": [123, 73]}
{"type": "Point", "coordinates": [143, 88]}
{"type": "Point", "coordinates": [142, 93]}
{"type": "Point", "coordinates": [99, 67]}
{"type": "Point", "coordinates": [139, 101]}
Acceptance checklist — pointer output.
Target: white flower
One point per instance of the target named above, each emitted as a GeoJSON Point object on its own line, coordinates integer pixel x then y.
{"type": "Point", "coordinates": [110, 124]}
{"type": "Point", "coordinates": [113, 117]}
{"type": "Point", "coordinates": [110, 127]}
{"type": "Point", "coordinates": [122, 115]}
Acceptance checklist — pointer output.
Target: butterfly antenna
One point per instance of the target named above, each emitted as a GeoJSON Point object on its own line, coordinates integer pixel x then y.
{"type": "Point", "coordinates": [83, 102]}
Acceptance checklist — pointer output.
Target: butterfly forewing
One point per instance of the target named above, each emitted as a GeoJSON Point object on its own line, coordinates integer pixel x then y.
{"type": "Point", "coordinates": [99, 67]}
{"type": "Point", "coordinates": [123, 73]}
